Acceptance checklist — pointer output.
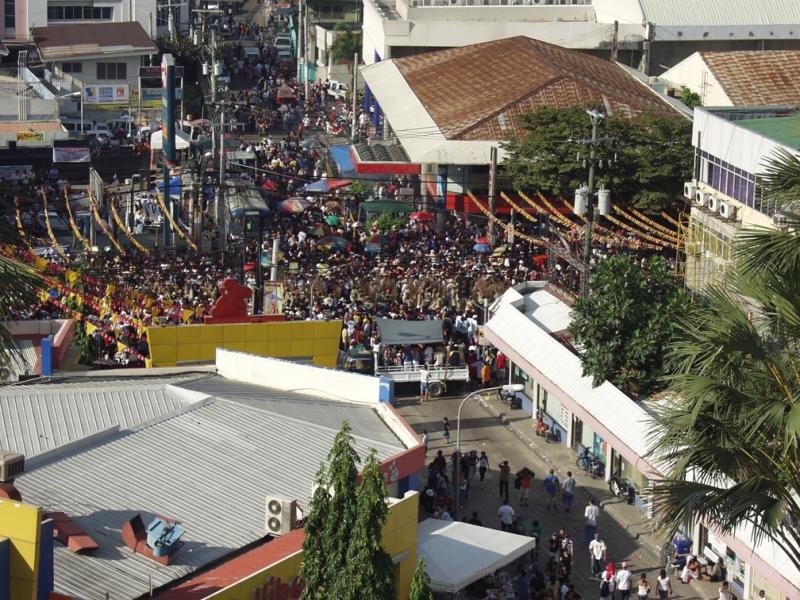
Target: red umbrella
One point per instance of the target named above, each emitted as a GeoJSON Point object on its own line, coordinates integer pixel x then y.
{"type": "Point", "coordinates": [421, 215]}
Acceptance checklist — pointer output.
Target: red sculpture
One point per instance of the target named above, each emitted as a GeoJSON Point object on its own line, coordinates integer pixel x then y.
{"type": "Point", "coordinates": [232, 302]}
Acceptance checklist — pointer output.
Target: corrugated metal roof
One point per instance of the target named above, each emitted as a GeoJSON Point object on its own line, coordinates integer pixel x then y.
{"type": "Point", "coordinates": [312, 409]}
{"type": "Point", "coordinates": [721, 12]}
{"type": "Point", "coordinates": [38, 418]}
{"type": "Point", "coordinates": [757, 78]}
{"type": "Point", "coordinates": [210, 467]}
{"type": "Point", "coordinates": [496, 82]}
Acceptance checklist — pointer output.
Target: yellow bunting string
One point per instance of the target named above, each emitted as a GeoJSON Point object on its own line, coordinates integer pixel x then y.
{"type": "Point", "coordinates": [102, 224]}
{"type": "Point", "coordinates": [75, 230]}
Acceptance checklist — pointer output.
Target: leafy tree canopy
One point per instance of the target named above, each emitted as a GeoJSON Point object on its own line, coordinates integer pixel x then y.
{"type": "Point", "coordinates": [623, 325]}
{"type": "Point", "coordinates": [654, 156]}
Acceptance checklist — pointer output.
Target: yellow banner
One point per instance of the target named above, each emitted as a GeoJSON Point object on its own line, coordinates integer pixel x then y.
{"type": "Point", "coordinates": [30, 136]}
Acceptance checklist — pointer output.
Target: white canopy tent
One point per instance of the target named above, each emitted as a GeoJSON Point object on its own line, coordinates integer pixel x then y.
{"type": "Point", "coordinates": [156, 140]}
{"type": "Point", "coordinates": [458, 554]}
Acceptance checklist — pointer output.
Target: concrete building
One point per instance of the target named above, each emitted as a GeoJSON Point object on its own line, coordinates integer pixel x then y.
{"type": "Point", "coordinates": [22, 16]}
{"type": "Point", "coordinates": [205, 446]}
{"type": "Point", "coordinates": [738, 78]}
{"type": "Point", "coordinates": [652, 35]}
{"type": "Point", "coordinates": [528, 324]}
{"type": "Point", "coordinates": [99, 61]}
{"type": "Point", "coordinates": [732, 147]}
{"type": "Point", "coordinates": [449, 108]}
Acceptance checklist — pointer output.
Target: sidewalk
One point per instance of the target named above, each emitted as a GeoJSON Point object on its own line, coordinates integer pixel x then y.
{"type": "Point", "coordinates": [508, 435]}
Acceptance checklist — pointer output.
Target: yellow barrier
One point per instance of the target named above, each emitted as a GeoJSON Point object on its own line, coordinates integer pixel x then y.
{"type": "Point", "coordinates": [21, 524]}
{"type": "Point", "coordinates": [198, 343]}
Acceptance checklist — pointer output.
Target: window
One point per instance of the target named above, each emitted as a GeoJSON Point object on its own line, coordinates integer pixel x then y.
{"type": "Point", "coordinates": [72, 67]}
{"type": "Point", "coordinates": [730, 180]}
{"type": "Point", "coordinates": [10, 12]}
{"type": "Point", "coordinates": [79, 13]}
{"type": "Point", "coordinates": [111, 71]}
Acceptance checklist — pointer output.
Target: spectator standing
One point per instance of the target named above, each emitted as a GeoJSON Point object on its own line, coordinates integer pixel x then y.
{"type": "Point", "coordinates": [446, 429]}
{"type": "Point", "coordinates": [551, 486]}
{"type": "Point", "coordinates": [505, 472]}
{"type": "Point", "coordinates": [597, 553]}
{"type": "Point", "coordinates": [506, 514]}
{"type": "Point", "coordinates": [623, 581]}
{"type": "Point", "coordinates": [591, 512]}
{"type": "Point", "coordinates": [568, 491]}
{"type": "Point", "coordinates": [483, 467]}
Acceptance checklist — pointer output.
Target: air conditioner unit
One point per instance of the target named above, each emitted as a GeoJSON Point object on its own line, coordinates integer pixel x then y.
{"type": "Point", "coordinates": [701, 198]}
{"type": "Point", "coordinates": [727, 210]}
{"type": "Point", "coordinates": [713, 203]}
{"type": "Point", "coordinates": [780, 220]}
{"type": "Point", "coordinates": [690, 190]}
{"type": "Point", "coordinates": [11, 465]}
{"type": "Point", "coordinates": [281, 515]}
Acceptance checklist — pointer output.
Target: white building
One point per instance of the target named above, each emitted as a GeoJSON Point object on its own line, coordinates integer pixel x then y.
{"type": "Point", "coordinates": [738, 78]}
{"type": "Point", "coordinates": [526, 325]}
{"type": "Point", "coordinates": [732, 146]}
{"type": "Point", "coordinates": [21, 16]}
{"type": "Point", "coordinates": [650, 34]}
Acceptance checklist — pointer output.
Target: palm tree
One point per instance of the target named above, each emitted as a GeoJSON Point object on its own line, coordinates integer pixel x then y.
{"type": "Point", "coordinates": [345, 46]}
{"type": "Point", "coordinates": [730, 436]}
{"type": "Point", "coordinates": [18, 291]}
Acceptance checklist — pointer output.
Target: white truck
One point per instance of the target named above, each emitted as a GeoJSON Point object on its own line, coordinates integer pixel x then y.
{"type": "Point", "coordinates": [439, 376]}
{"type": "Point", "coordinates": [337, 89]}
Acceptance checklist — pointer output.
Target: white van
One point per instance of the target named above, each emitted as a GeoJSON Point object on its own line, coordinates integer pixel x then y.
{"type": "Point", "coordinates": [282, 42]}
{"type": "Point", "coordinates": [73, 126]}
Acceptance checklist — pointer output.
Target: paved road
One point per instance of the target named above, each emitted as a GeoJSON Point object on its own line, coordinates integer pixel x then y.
{"type": "Point", "coordinates": [480, 430]}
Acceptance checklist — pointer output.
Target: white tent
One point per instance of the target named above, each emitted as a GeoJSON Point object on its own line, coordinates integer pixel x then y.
{"type": "Point", "coordinates": [181, 138]}
{"type": "Point", "coordinates": [457, 554]}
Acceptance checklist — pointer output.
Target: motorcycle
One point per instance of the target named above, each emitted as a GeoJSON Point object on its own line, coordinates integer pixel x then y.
{"type": "Point", "coordinates": [622, 489]}
{"type": "Point", "coordinates": [550, 434]}
{"type": "Point", "coordinates": [598, 468]}
{"type": "Point", "coordinates": [585, 461]}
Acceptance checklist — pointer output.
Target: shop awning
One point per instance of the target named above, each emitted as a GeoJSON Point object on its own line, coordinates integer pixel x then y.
{"type": "Point", "coordinates": [344, 162]}
{"type": "Point", "coordinates": [396, 332]}
{"type": "Point", "coordinates": [384, 159]}
{"type": "Point", "coordinates": [386, 206]}
{"type": "Point", "coordinates": [458, 554]}
{"type": "Point", "coordinates": [181, 140]}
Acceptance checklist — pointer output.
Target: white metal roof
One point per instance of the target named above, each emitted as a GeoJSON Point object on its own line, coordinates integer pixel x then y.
{"type": "Point", "coordinates": [515, 333]}
{"type": "Point", "coordinates": [210, 464]}
{"type": "Point", "coordinates": [419, 134]}
{"type": "Point", "coordinates": [721, 12]}
{"type": "Point", "coordinates": [39, 418]}
{"type": "Point", "coordinates": [457, 554]}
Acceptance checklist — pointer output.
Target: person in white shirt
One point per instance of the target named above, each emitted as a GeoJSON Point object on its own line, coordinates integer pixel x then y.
{"type": "Point", "coordinates": [506, 514]}
{"type": "Point", "coordinates": [623, 581]}
{"type": "Point", "coordinates": [591, 512]}
{"type": "Point", "coordinates": [424, 380]}
{"type": "Point", "coordinates": [663, 585]}
{"type": "Point", "coordinates": [597, 552]}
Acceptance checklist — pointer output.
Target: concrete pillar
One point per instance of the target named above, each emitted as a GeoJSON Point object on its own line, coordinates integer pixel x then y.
{"type": "Point", "coordinates": [367, 98]}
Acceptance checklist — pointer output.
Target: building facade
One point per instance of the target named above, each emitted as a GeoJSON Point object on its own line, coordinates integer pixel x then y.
{"type": "Point", "coordinates": [732, 148]}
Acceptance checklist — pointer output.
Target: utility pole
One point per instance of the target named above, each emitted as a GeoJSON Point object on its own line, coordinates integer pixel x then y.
{"type": "Point", "coordinates": [647, 55]}
{"type": "Point", "coordinates": [221, 206]}
{"type": "Point", "coordinates": [615, 42]}
{"type": "Point", "coordinates": [213, 66]}
{"type": "Point", "coordinates": [354, 131]}
{"type": "Point", "coordinates": [299, 41]}
{"type": "Point", "coordinates": [306, 70]}
{"type": "Point", "coordinates": [492, 188]}
{"type": "Point", "coordinates": [595, 117]}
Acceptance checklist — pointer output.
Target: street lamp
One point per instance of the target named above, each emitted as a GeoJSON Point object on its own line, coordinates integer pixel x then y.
{"type": "Point", "coordinates": [512, 387]}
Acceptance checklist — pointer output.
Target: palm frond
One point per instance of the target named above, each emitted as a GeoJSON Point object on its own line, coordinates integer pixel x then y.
{"type": "Point", "coordinates": [781, 178]}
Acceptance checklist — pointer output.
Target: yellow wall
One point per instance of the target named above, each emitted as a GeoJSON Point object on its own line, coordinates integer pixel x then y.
{"type": "Point", "coordinates": [399, 536]}
{"type": "Point", "coordinates": [21, 524]}
{"type": "Point", "coordinates": [185, 343]}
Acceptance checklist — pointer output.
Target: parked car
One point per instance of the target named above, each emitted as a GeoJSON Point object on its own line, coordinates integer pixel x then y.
{"type": "Point", "coordinates": [338, 90]}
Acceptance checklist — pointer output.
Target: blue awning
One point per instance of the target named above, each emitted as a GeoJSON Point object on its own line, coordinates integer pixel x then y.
{"type": "Point", "coordinates": [341, 155]}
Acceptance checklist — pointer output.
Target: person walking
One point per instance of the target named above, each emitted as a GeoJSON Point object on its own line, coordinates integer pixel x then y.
{"type": "Point", "coordinates": [663, 585]}
{"type": "Point", "coordinates": [725, 591]}
{"type": "Point", "coordinates": [506, 514]}
{"type": "Point", "coordinates": [483, 467]}
{"type": "Point", "coordinates": [623, 581]}
{"type": "Point", "coordinates": [446, 430]}
{"type": "Point", "coordinates": [505, 472]}
{"type": "Point", "coordinates": [551, 486]}
{"type": "Point", "coordinates": [425, 440]}
{"type": "Point", "coordinates": [597, 553]}
{"type": "Point", "coordinates": [608, 581]}
{"type": "Point", "coordinates": [643, 587]}
{"type": "Point", "coordinates": [524, 486]}
{"type": "Point", "coordinates": [424, 380]}
{"type": "Point", "coordinates": [591, 512]}
{"type": "Point", "coordinates": [568, 491]}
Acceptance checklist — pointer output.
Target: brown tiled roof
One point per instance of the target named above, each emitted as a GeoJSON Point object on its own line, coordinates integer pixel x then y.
{"type": "Point", "coordinates": [478, 92]}
{"type": "Point", "coordinates": [757, 78]}
{"type": "Point", "coordinates": [92, 39]}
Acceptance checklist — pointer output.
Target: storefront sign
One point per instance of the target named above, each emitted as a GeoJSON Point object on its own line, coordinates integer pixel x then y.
{"type": "Point", "coordinates": [30, 136]}
{"type": "Point", "coordinates": [72, 155]}
{"type": "Point", "coordinates": [155, 72]}
{"type": "Point", "coordinates": [106, 94]}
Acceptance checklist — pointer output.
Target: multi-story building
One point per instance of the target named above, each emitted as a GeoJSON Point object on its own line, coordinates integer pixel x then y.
{"type": "Point", "coordinates": [323, 17]}
{"type": "Point", "coordinates": [650, 34]}
{"type": "Point", "coordinates": [732, 148]}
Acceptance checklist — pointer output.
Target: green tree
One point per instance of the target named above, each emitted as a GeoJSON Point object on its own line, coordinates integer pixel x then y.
{"type": "Point", "coordinates": [370, 571]}
{"type": "Point", "coordinates": [345, 46]}
{"type": "Point", "coordinates": [690, 98]}
{"type": "Point", "coordinates": [421, 583]}
{"type": "Point", "coordinates": [732, 429]}
{"type": "Point", "coordinates": [625, 322]}
{"type": "Point", "coordinates": [312, 571]}
{"type": "Point", "coordinates": [653, 156]}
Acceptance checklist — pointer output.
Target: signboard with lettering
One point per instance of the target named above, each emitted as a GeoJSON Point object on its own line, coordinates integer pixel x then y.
{"type": "Point", "coordinates": [106, 94]}
{"type": "Point", "coordinates": [30, 136]}
{"type": "Point", "coordinates": [155, 72]}
{"type": "Point", "coordinates": [151, 96]}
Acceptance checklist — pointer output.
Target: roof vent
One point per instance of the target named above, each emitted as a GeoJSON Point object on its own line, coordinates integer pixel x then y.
{"type": "Point", "coordinates": [11, 466]}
